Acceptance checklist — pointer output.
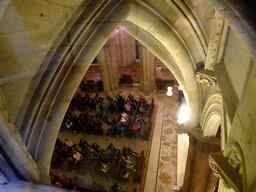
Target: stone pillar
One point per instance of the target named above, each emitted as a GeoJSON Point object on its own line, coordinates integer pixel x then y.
{"type": "Point", "coordinates": [147, 69]}
{"type": "Point", "coordinates": [108, 68]}
{"type": "Point", "coordinates": [198, 174]}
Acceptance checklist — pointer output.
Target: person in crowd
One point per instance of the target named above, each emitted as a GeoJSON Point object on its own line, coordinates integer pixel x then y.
{"type": "Point", "coordinates": [115, 188]}
{"type": "Point", "coordinates": [138, 121]}
{"type": "Point", "coordinates": [84, 146]}
{"type": "Point", "coordinates": [78, 126]}
{"type": "Point", "coordinates": [75, 113]}
{"type": "Point", "coordinates": [98, 98]}
{"type": "Point", "coordinates": [143, 106]}
{"type": "Point", "coordinates": [93, 155]}
{"type": "Point", "coordinates": [128, 108]}
{"type": "Point", "coordinates": [68, 123]}
{"type": "Point", "coordinates": [64, 180]}
{"type": "Point", "coordinates": [105, 127]}
{"type": "Point", "coordinates": [104, 106]}
{"type": "Point", "coordinates": [93, 105]}
{"type": "Point", "coordinates": [119, 128]}
{"type": "Point", "coordinates": [114, 150]}
{"type": "Point", "coordinates": [100, 115]}
{"type": "Point", "coordinates": [110, 120]}
{"type": "Point", "coordinates": [112, 108]}
{"type": "Point", "coordinates": [128, 151]}
{"type": "Point", "coordinates": [133, 100]}
{"type": "Point", "coordinates": [125, 120]}
{"type": "Point", "coordinates": [75, 158]}
{"type": "Point", "coordinates": [97, 127]}
{"type": "Point", "coordinates": [120, 102]}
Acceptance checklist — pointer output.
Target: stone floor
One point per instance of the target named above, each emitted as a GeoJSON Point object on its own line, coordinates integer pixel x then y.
{"type": "Point", "coordinates": [161, 149]}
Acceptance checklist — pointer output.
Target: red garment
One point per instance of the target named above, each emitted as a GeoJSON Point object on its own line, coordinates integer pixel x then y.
{"type": "Point", "coordinates": [63, 179]}
{"type": "Point", "coordinates": [135, 127]}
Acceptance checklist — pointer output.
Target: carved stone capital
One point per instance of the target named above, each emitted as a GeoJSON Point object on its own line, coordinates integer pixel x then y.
{"type": "Point", "coordinates": [225, 171]}
{"type": "Point", "coordinates": [206, 77]}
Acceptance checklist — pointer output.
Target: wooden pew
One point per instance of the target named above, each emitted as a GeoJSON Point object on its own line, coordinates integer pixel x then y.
{"type": "Point", "coordinates": [140, 167]}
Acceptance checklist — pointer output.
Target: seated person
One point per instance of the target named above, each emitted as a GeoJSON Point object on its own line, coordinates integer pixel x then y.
{"type": "Point", "coordinates": [138, 121]}
{"type": "Point", "coordinates": [96, 147]}
{"type": "Point", "coordinates": [134, 102]}
{"type": "Point", "coordinates": [96, 125]}
{"type": "Point", "coordinates": [64, 180]}
{"type": "Point", "coordinates": [127, 159]}
{"type": "Point", "coordinates": [112, 106]}
{"type": "Point", "coordinates": [100, 115]}
{"type": "Point", "coordinates": [105, 127]}
{"type": "Point", "coordinates": [124, 115]}
{"type": "Point", "coordinates": [110, 119]}
{"type": "Point", "coordinates": [115, 188]}
{"type": "Point", "coordinates": [127, 108]}
{"type": "Point", "coordinates": [104, 106]}
{"type": "Point", "coordinates": [76, 157]}
{"type": "Point", "coordinates": [84, 146]}
{"type": "Point", "coordinates": [128, 151]}
{"type": "Point", "coordinates": [104, 167]}
{"type": "Point", "coordinates": [93, 155]}
{"type": "Point", "coordinates": [68, 142]}
{"type": "Point", "coordinates": [125, 120]}
{"type": "Point", "coordinates": [127, 163]}
{"type": "Point", "coordinates": [110, 154]}
{"type": "Point", "coordinates": [75, 148]}
{"type": "Point", "coordinates": [119, 128]}
{"type": "Point", "coordinates": [113, 149]}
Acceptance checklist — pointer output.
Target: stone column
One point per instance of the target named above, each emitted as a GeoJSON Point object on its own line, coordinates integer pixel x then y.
{"type": "Point", "coordinates": [108, 68]}
{"type": "Point", "coordinates": [147, 69]}
{"type": "Point", "coordinates": [198, 174]}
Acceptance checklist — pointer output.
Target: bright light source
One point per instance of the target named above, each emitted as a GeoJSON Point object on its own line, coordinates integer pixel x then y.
{"type": "Point", "coordinates": [118, 30]}
{"type": "Point", "coordinates": [180, 88]}
{"type": "Point", "coordinates": [169, 92]}
{"type": "Point", "coordinates": [184, 113]}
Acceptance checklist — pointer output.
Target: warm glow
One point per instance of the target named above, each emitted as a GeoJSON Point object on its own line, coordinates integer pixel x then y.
{"type": "Point", "coordinates": [169, 92]}
{"type": "Point", "coordinates": [118, 30]}
{"type": "Point", "coordinates": [184, 113]}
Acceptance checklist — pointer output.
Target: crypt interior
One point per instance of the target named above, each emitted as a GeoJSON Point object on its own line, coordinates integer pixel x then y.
{"type": "Point", "coordinates": [54, 53]}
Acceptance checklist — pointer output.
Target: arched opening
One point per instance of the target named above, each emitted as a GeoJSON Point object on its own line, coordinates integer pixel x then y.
{"type": "Point", "coordinates": [91, 138]}
{"type": "Point", "coordinates": [51, 99]}
{"type": "Point", "coordinates": [211, 116]}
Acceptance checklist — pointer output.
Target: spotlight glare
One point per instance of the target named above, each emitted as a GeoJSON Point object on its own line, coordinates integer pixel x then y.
{"type": "Point", "coordinates": [184, 113]}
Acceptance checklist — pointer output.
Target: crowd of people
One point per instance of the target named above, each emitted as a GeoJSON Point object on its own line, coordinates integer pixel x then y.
{"type": "Point", "coordinates": [105, 115]}
{"type": "Point", "coordinates": [122, 162]}
{"type": "Point", "coordinates": [98, 115]}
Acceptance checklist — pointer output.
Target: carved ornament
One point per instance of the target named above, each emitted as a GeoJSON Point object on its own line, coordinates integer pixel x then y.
{"type": "Point", "coordinates": [206, 77]}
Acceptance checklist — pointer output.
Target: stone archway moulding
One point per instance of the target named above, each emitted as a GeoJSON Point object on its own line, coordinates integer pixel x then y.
{"type": "Point", "coordinates": [62, 79]}
{"type": "Point", "coordinates": [211, 115]}
{"type": "Point", "coordinates": [164, 32]}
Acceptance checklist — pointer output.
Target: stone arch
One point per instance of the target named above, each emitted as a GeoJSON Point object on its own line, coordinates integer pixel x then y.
{"type": "Point", "coordinates": [211, 115]}
{"type": "Point", "coordinates": [154, 32]}
{"type": "Point", "coordinates": [63, 75]}
{"type": "Point", "coordinates": [68, 66]}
